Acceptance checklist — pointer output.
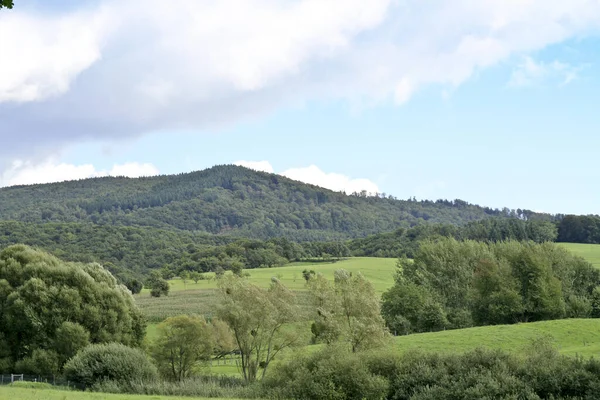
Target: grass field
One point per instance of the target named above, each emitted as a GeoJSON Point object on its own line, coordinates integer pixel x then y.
{"type": "Point", "coordinates": [11, 393]}
{"type": "Point", "coordinates": [571, 336]}
{"type": "Point", "coordinates": [590, 252]}
{"type": "Point", "coordinates": [199, 298]}
{"type": "Point", "coordinates": [380, 271]}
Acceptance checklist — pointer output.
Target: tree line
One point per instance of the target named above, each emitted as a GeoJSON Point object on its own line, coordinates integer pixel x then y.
{"type": "Point", "coordinates": [451, 285]}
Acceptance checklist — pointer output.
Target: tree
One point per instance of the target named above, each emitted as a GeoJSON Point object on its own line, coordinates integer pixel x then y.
{"type": "Point", "coordinates": [196, 276]}
{"type": "Point", "coordinates": [135, 286]}
{"type": "Point", "coordinates": [6, 3]}
{"type": "Point", "coordinates": [44, 301]}
{"type": "Point", "coordinates": [157, 285]}
{"type": "Point", "coordinates": [257, 318]}
{"type": "Point", "coordinates": [182, 343]}
{"type": "Point", "coordinates": [185, 276]}
{"type": "Point", "coordinates": [224, 342]}
{"type": "Point", "coordinates": [351, 306]}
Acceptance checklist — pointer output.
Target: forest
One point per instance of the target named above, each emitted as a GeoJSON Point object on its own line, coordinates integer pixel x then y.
{"type": "Point", "coordinates": [234, 201]}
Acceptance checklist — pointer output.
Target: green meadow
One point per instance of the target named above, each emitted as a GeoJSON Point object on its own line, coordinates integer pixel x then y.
{"type": "Point", "coordinates": [590, 252]}
{"type": "Point", "coordinates": [199, 298]}
{"type": "Point", "coordinates": [570, 336]}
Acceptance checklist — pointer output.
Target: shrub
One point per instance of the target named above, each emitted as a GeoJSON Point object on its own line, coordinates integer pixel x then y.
{"type": "Point", "coordinates": [40, 362]}
{"type": "Point", "coordinates": [332, 373]}
{"type": "Point", "coordinates": [113, 361]}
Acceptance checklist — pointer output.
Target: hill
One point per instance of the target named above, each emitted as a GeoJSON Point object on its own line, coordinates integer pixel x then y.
{"type": "Point", "coordinates": [231, 200]}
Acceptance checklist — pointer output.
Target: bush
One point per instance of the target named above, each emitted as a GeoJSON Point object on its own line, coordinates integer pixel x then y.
{"type": "Point", "coordinates": [34, 385]}
{"type": "Point", "coordinates": [332, 373]}
{"type": "Point", "coordinates": [41, 362]}
{"type": "Point", "coordinates": [113, 361]}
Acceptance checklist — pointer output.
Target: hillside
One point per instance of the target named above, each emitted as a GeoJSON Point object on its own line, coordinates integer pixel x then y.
{"type": "Point", "coordinates": [230, 200]}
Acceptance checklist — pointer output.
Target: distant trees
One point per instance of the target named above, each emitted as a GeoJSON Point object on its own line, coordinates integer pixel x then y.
{"type": "Point", "coordinates": [257, 318]}
{"type": "Point", "coordinates": [45, 302]}
{"type": "Point", "coordinates": [452, 284]}
{"type": "Point", "coordinates": [579, 229]}
{"type": "Point", "coordinates": [405, 242]}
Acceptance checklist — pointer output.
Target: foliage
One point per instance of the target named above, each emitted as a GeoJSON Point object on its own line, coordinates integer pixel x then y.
{"type": "Point", "coordinates": [112, 361]}
{"type": "Point", "coordinates": [7, 3]}
{"type": "Point", "coordinates": [331, 373]}
{"type": "Point", "coordinates": [157, 284]}
{"type": "Point", "coordinates": [234, 201]}
{"type": "Point", "coordinates": [182, 343]}
{"type": "Point", "coordinates": [40, 362]}
{"type": "Point", "coordinates": [349, 307]}
{"type": "Point", "coordinates": [257, 318]}
{"type": "Point", "coordinates": [451, 283]}
{"type": "Point", "coordinates": [405, 242]}
{"type": "Point", "coordinates": [579, 229]}
{"type": "Point", "coordinates": [44, 300]}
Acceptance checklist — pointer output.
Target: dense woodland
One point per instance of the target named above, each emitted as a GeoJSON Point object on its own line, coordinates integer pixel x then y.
{"type": "Point", "coordinates": [234, 201]}
{"type": "Point", "coordinates": [186, 222]}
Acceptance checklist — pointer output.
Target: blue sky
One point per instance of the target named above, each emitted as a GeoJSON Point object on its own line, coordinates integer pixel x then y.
{"type": "Point", "coordinates": [494, 104]}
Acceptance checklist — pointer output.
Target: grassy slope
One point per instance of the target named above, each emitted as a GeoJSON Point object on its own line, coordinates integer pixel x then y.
{"type": "Point", "coordinates": [199, 298]}
{"type": "Point", "coordinates": [571, 336]}
{"type": "Point", "coordinates": [591, 252]}
{"type": "Point", "coordinates": [380, 271]}
{"type": "Point", "coordinates": [12, 393]}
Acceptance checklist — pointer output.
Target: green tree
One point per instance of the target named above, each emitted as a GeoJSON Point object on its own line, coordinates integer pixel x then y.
{"type": "Point", "coordinates": [224, 342]}
{"type": "Point", "coordinates": [495, 294]}
{"type": "Point", "coordinates": [257, 318]}
{"type": "Point", "coordinates": [70, 338]}
{"type": "Point", "coordinates": [157, 284]}
{"type": "Point", "coordinates": [195, 276]}
{"type": "Point", "coordinates": [44, 300]}
{"type": "Point", "coordinates": [349, 306]}
{"type": "Point", "coordinates": [185, 276]}
{"type": "Point", "coordinates": [182, 343]}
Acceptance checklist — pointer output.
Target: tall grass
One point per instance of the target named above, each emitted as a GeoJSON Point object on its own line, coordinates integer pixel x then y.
{"type": "Point", "coordinates": [201, 386]}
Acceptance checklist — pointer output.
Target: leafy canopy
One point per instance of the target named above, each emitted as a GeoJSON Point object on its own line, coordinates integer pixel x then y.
{"type": "Point", "coordinates": [45, 301]}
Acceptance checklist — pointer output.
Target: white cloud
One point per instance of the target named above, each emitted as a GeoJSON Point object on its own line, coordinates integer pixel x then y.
{"type": "Point", "coordinates": [42, 56]}
{"type": "Point", "coordinates": [332, 180]}
{"type": "Point", "coordinates": [531, 72]}
{"type": "Point", "coordinates": [132, 170]}
{"type": "Point", "coordinates": [26, 173]}
{"type": "Point", "coordinates": [128, 68]}
{"type": "Point", "coordinates": [263, 166]}
{"type": "Point", "coordinates": [315, 176]}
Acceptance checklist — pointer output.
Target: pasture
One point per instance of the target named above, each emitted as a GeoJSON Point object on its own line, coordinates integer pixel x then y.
{"type": "Point", "coordinates": [199, 298]}
{"type": "Point", "coordinates": [591, 252]}
{"type": "Point", "coordinates": [380, 271]}
{"type": "Point", "coordinates": [570, 336]}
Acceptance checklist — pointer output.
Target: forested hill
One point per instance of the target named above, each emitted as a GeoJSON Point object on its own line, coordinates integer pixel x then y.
{"type": "Point", "coordinates": [230, 200]}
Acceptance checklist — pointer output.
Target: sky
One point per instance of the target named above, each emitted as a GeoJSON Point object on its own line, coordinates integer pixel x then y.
{"type": "Point", "coordinates": [491, 101]}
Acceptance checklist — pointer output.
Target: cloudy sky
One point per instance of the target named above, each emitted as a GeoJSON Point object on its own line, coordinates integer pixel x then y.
{"type": "Point", "coordinates": [493, 101]}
